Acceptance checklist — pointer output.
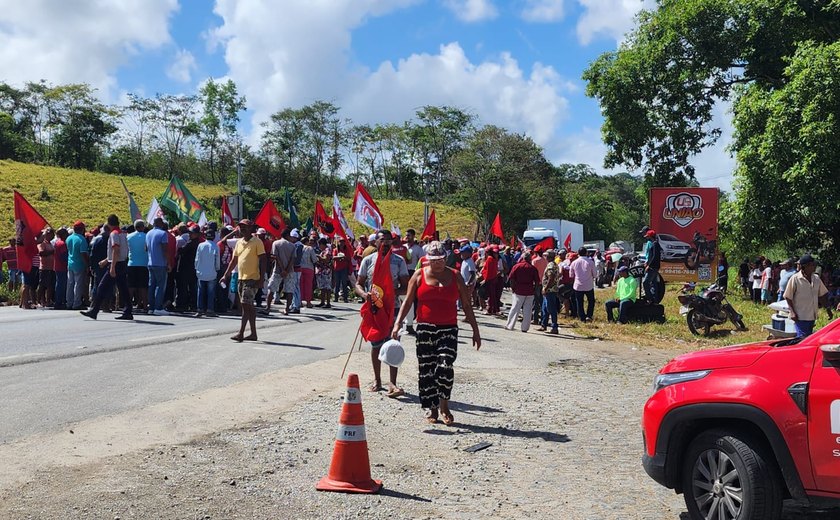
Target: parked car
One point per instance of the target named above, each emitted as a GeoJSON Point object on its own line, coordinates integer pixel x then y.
{"type": "Point", "coordinates": [672, 247]}
{"type": "Point", "coordinates": [737, 430]}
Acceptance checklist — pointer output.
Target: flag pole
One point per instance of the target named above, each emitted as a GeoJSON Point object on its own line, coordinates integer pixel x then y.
{"type": "Point", "coordinates": [352, 346]}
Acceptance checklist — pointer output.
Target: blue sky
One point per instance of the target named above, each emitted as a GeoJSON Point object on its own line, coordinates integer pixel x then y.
{"type": "Point", "coordinates": [512, 63]}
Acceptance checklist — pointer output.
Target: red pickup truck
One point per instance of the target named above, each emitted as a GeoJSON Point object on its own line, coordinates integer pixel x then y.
{"type": "Point", "coordinates": [737, 430]}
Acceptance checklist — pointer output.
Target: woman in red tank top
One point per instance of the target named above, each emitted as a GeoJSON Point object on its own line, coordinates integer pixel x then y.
{"type": "Point", "coordinates": [437, 289]}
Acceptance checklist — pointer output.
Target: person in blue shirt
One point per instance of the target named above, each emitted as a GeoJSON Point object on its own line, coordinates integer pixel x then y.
{"type": "Point", "coordinates": [157, 246]}
{"type": "Point", "coordinates": [138, 270]}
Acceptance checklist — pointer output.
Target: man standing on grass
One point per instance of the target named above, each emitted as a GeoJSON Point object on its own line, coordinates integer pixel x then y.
{"type": "Point", "coordinates": [653, 260]}
{"type": "Point", "coordinates": [250, 260]}
{"type": "Point", "coordinates": [625, 294]}
{"type": "Point", "coordinates": [803, 293]}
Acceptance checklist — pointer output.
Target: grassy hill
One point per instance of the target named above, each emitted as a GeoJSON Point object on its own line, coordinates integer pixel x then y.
{"type": "Point", "coordinates": [62, 196]}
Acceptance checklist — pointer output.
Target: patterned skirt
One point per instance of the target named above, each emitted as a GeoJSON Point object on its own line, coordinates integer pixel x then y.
{"type": "Point", "coordinates": [437, 349]}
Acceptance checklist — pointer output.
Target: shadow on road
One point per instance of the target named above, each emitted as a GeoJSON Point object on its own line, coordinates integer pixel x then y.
{"type": "Point", "coordinates": [278, 344]}
{"type": "Point", "coordinates": [397, 494]}
{"type": "Point", "coordinates": [144, 322]}
{"type": "Point", "coordinates": [505, 432]}
{"type": "Point", "coordinates": [472, 408]}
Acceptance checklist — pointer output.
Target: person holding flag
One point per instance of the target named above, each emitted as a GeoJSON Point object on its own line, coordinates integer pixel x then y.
{"type": "Point", "coordinates": [382, 277]}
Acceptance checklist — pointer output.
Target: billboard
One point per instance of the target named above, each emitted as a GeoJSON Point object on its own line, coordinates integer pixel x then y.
{"type": "Point", "coordinates": [686, 223]}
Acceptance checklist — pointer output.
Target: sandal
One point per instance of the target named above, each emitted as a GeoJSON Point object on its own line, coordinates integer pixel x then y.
{"type": "Point", "coordinates": [448, 418]}
{"type": "Point", "coordinates": [375, 388]}
{"type": "Point", "coordinates": [432, 416]}
{"type": "Point", "coordinates": [397, 392]}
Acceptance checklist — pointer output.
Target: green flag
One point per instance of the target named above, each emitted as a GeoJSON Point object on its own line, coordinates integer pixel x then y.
{"type": "Point", "coordinates": [132, 206]}
{"type": "Point", "coordinates": [309, 226]}
{"type": "Point", "coordinates": [179, 199]}
{"type": "Point", "coordinates": [294, 221]}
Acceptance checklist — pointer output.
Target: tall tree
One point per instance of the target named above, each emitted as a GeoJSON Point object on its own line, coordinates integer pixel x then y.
{"type": "Point", "coordinates": [658, 91]}
{"type": "Point", "coordinates": [221, 104]}
{"type": "Point", "coordinates": [175, 120]}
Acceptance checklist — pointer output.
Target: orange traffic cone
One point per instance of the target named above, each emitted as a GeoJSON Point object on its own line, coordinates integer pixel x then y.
{"type": "Point", "coordinates": [350, 466]}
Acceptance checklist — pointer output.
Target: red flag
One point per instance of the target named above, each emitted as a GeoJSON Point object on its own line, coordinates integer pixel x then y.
{"type": "Point", "coordinates": [431, 227]}
{"type": "Point", "coordinates": [323, 222]}
{"type": "Point", "coordinates": [270, 219]}
{"type": "Point", "coordinates": [496, 228]}
{"type": "Point", "coordinates": [28, 225]}
{"type": "Point", "coordinates": [378, 310]}
{"type": "Point", "coordinates": [568, 242]}
{"type": "Point", "coordinates": [339, 230]}
{"type": "Point", "coordinates": [513, 241]}
{"type": "Point", "coordinates": [545, 244]}
{"type": "Point", "coordinates": [227, 216]}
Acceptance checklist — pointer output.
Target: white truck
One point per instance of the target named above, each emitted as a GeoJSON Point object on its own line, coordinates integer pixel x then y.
{"type": "Point", "coordinates": [566, 234]}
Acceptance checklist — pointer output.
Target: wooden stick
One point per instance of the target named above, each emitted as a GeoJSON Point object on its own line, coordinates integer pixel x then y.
{"type": "Point", "coordinates": [352, 346]}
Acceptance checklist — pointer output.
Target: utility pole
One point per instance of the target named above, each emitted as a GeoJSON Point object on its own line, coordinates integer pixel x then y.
{"type": "Point", "coordinates": [239, 182]}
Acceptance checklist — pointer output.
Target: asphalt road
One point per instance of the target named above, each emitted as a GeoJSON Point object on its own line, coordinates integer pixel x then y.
{"type": "Point", "coordinates": [57, 367]}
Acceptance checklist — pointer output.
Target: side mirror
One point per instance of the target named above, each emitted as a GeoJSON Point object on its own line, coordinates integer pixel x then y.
{"type": "Point", "coordinates": [831, 352]}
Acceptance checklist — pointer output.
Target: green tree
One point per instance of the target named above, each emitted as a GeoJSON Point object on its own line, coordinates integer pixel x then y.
{"type": "Point", "coordinates": [491, 170]}
{"type": "Point", "coordinates": [658, 90]}
{"type": "Point", "coordinates": [221, 105]}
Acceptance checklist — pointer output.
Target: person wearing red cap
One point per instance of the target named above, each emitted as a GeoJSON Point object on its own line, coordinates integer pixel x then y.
{"type": "Point", "coordinates": [653, 259]}
{"type": "Point", "coordinates": [78, 260]}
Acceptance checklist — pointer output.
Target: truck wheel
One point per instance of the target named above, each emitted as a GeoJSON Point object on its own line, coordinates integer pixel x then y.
{"type": "Point", "coordinates": [729, 476]}
{"type": "Point", "coordinates": [695, 325]}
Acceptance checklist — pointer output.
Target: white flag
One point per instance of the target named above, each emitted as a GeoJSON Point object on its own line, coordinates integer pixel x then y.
{"type": "Point", "coordinates": [341, 220]}
{"type": "Point", "coordinates": [154, 211]}
{"type": "Point", "coordinates": [202, 220]}
{"type": "Point", "coordinates": [395, 229]}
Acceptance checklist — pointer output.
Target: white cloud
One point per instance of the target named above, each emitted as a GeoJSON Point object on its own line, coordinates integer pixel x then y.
{"type": "Point", "coordinates": [306, 55]}
{"type": "Point", "coordinates": [499, 91]}
{"type": "Point", "coordinates": [542, 11]}
{"type": "Point", "coordinates": [610, 18]}
{"type": "Point", "coordinates": [182, 67]}
{"type": "Point", "coordinates": [472, 10]}
{"type": "Point", "coordinates": [79, 41]}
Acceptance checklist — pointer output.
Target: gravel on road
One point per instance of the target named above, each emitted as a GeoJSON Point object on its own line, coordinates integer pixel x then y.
{"type": "Point", "coordinates": [562, 416]}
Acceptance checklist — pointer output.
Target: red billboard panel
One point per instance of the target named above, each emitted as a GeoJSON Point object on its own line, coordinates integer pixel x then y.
{"type": "Point", "coordinates": [686, 223]}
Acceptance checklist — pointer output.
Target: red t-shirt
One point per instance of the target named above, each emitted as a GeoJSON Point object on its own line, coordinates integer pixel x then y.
{"type": "Point", "coordinates": [491, 268]}
{"type": "Point", "coordinates": [60, 256]}
{"type": "Point", "coordinates": [9, 254]}
{"type": "Point", "coordinates": [400, 250]}
{"type": "Point", "coordinates": [341, 262]}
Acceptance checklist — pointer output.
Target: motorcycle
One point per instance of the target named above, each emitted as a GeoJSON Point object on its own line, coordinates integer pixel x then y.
{"type": "Point", "coordinates": [708, 308]}
{"type": "Point", "coordinates": [703, 248]}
